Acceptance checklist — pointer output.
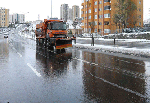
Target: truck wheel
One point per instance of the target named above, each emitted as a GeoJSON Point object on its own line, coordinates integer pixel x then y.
{"type": "Point", "coordinates": [63, 50]}
{"type": "Point", "coordinates": [58, 51]}
{"type": "Point", "coordinates": [51, 48]}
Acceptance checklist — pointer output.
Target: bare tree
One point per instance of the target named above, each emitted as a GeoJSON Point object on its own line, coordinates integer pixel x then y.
{"type": "Point", "coordinates": [92, 25]}
{"type": "Point", "coordinates": [124, 9]}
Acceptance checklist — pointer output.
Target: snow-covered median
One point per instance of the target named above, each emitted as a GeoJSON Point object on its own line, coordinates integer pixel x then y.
{"type": "Point", "coordinates": [115, 49]}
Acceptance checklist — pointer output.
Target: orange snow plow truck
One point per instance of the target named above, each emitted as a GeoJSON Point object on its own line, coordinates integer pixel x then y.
{"type": "Point", "coordinates": [52, 33]}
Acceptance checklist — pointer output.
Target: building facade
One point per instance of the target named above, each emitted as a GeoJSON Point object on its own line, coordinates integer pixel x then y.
{"type": "Point", "coordinates": [17, 18]}
{"type": "Point", "coordinates": [97, 16]}
{"type": "Point", "coordinates": [4, 17]}
{"type": "Point", "coordinates": [70, 14]}
{"type": "Point", "coordinates": [76, 12]}
{"type": "Point", "coordinates": [64, 12]}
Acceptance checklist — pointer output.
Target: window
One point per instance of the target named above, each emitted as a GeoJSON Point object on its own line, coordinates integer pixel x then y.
{"type": "Point", "coordinates": [95, 23]}
{"type": "Point", "coordinates": [100, 16]}
{"type": "Point", "coordinates": [106, 15]}
{"type": "Point", "coordinates": [95, 30]}
{"type": "Point", "coordinates": [106, 23]}
{"type": "Point", "coordinates": [139, 23]}
{"type": "Point", "coordinates": [82, 7]}
{"type": "Point", "coordinates": [106, 7]}
{"type": "Point", "coordinates": [58, 26]}
{"type": "Point", "coordinates": [90, 30]}
{"type": "Point", "coordinates": [82, 12]}
{"type": "Point", "coordinates": [106, 1]}
{"type": "Point", "coordinates": [100, 23]}
{"type": "Point", "coordinates": [95, 9]}
{"type": "Point", "coordinates": [100, 2]}
{"type": "Point", "coordinates": [139, 9]}
{"type": "Point", "coordinates": [139, 2]}
{"type": "Point", "coordinates": [89, 17]}
{"type": "Point", "coordinates": [140, 16]}
{"type": "Point", "coordinates": [95, 3]}
{"type": "Point", "coordinates": [100, 9]}
{"type": "Point", "coordinates": [99, 30]}
{"type": "Point", "coordinates": [89, 10]}
{"type": "Point", "coordinates": [95, 16]}
{"type": "Point", "coordinates": [106, 30]}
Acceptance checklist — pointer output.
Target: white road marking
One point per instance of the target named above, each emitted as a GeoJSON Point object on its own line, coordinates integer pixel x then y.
{"type": "Point", "coordinates": [116, 85]}
{"type": "Point", "coordinates": [34, 70]}
{"type": "Point", "coordinates": [19, 54]}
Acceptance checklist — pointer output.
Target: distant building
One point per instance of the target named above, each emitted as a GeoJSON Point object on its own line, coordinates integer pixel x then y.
{"type": "Point", "coordinates": [70, 14]}
{"type": "Point", "coordinates": [75, 12]}
{"type": "Point", "coordinates": [17, 18]}
{"type": "Point", "coordinates": [64, 12]}
{"type": "Point", "coordinates": [4, 17]}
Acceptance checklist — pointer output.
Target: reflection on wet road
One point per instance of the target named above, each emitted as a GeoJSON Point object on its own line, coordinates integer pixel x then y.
{"type": "Point", "coordinates": [32, 73]}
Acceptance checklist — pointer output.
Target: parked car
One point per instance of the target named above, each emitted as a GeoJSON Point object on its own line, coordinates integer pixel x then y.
{"type": "Point", "coordinates": [6, 35]}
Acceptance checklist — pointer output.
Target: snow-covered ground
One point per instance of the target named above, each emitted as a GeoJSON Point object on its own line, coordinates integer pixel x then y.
{"type": "Point", "coordinates": [144, 52]}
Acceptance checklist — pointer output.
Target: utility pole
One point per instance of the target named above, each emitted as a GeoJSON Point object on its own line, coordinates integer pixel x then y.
{"type": "Point", "coordinates": [51, 8]}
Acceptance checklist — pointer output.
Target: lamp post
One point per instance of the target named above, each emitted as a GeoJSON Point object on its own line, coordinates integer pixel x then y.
{"type": "Point", "coordinates": [74, 25]}
{"type": "Point", "coordinates": [51, 8]}
{"type": "Point", "coordinates": [92, 24]}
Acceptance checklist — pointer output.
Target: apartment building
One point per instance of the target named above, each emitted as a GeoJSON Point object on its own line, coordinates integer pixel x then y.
{"type": "Point", "coordinates": [100, 13]}
{"type": "Point", "coordinates": [4, 17]}
{"type": "Point", "coordinates": [67, 13]}
{"type": "Point", "coordinates": [76, 12]}
{"type": "Point", "coordinates": [70, 14]}
{"type": "Point", "coordinates": [64, 12]}
{"type": "Point", "coordinates": [17, 18]}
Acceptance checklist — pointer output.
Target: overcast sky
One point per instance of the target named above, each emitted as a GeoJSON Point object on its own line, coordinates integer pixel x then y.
{"type": "Point", "coordinates": [43, 7]}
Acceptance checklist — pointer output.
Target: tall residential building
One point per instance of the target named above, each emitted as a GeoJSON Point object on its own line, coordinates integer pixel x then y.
{"type": "Point", "coordinates": [70, 13]}
{"type": "Point", "coordinates": [64, 12]}
{"type": "Point", "coordinates": [4, 17]}
{"type": "Point", "coordinates": [17, 18]}
{"type": "Point", "coordinates": [101, 12]}
{"type": "Point", "coordinates": [76, 12]}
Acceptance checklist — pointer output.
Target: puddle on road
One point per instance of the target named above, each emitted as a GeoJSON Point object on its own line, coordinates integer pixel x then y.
{"type": "Point", "coordinates": [101, 77]}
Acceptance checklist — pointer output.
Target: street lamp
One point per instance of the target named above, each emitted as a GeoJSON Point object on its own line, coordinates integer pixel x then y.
{"type": "Point", "coordinates": [51, 8]}
{"type": "Point", "coordinates": [92, 24]}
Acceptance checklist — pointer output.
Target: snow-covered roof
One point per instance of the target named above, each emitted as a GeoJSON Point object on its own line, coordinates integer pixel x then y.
{"type": "Point", "coordinates": [70, 22]}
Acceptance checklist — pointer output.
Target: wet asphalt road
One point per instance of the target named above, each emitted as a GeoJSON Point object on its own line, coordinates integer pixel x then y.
{"type": "Point", "coordinates": [32, 74]}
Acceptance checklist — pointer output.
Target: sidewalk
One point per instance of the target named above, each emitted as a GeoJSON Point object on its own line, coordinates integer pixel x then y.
{"type": "Point", "coordinates": [142, 52]}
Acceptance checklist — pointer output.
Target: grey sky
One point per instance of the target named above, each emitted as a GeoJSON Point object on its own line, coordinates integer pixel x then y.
{"type": "Point", "coordinates": [43, 7]}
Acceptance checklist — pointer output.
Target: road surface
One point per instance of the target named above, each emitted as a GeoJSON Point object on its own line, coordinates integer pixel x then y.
{"type": "Point", "coordinates": [33, 74]}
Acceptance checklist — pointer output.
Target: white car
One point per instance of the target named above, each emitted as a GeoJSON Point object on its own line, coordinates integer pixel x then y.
{"type": "Point", "coordinates": [6, 35]}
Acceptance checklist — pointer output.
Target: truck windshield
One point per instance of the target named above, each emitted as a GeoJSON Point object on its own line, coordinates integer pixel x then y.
{"type": "Point", "coordinates": [59, 26]}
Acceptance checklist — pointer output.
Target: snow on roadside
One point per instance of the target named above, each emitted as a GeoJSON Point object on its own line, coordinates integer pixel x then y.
{"type": "Point", "coordinates": [121, 40]}
{"type": "Point", "coordinates": [113, 49]}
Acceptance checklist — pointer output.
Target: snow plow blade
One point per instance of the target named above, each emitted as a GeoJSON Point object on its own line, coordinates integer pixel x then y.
{"type": "Point", "coordinates": [63, 43]}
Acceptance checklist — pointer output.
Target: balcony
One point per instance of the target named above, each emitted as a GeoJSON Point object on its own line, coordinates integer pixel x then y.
{"type": "Point", "coordinates": [107, 19]}
{"type": "Point", "coordinates": [106, 26]}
